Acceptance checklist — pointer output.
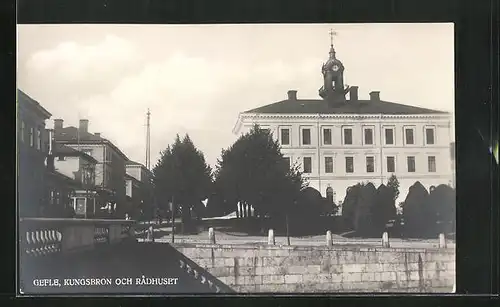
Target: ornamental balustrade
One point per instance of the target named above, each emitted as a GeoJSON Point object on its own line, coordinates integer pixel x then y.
{"type": "Point", "coordinates": [44, 236]}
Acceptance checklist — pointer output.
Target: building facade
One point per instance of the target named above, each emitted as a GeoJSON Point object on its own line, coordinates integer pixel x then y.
{"type": "Point", "coordinates": [31, 151]}
{"type": "Point", "coordinates": [139, 187]}
{"type": "Point", "coordinates": [110, 165]}
{"type": "Point", "coordinates": [340, 142]}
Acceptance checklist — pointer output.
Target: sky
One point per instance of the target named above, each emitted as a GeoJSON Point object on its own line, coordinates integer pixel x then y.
{"type": "Point", "coordinates": [196, 79]}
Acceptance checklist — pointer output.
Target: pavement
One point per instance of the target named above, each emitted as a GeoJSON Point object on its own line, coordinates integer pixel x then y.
{"type": "Point", "coordinates": [163, 234]}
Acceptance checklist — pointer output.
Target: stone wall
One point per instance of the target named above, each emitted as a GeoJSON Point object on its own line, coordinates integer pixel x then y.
{"type": "Point", "coordinates": [325, 269]}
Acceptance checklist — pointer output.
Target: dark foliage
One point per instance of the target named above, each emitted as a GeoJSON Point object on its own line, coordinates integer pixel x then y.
{"type": "Point", "coordinates": [393, 183]}
{"type": "Point", "coordinates": [363, 218]}
{"type": "Point", "coordinates": [182, 174]}
{"type": "Point", "coordinates": [418, 218]}
{"type": "Point", "coordinates": [350, 204]}
{"type": "Point", "coordinates": [383, 210]}
{"type": "Point", "coordinates": [442, 204]}
{"type": "Point", "coordinates": [253, 171]}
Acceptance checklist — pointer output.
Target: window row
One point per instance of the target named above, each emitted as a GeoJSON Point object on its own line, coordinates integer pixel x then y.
{"type": "Point", "coordinates": [368, 136]}
{"type": "Point", "coordinates": [390, 164]}
{"type": "Point", "coordinates": [34, 135]}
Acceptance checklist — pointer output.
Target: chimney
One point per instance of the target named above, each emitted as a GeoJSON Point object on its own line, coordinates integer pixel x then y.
{"type": "Point", "coordinates": [292, 95]}
{"type": "Point", "coordinates": [58, 124]}
{"type": "Point", "coordinates": [97, 134]}
{"type": "Point", "coordinates": [375, 96]}
{"type": "Point", "coordinates": [84, 126]}
{"type": "Point", "coordinates": [353, 93]}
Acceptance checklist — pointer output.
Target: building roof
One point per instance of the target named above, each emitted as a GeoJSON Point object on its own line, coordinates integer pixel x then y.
{"type": "Point", "coordinates": [31, 103]}
{"type": "Point", "coordinates": [63, 150]}
{"type": "Point", "coordinates": [315, 106]}
{"type": "Point", "coordinates": [71, 135]}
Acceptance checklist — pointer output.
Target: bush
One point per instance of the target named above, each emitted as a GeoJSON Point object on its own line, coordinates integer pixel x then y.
{"type": "Point", "coordinates": [442, 204]}
{"type": "Point", "coordinates": [418, 219]}
{"type": "Point", "coordinates": [363, 220]}
{"type": "Point", "coordinates": [384, 209]}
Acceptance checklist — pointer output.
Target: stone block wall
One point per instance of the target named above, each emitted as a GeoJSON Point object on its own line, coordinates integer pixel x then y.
{"type": "Point", "coordinates": [325, 269]}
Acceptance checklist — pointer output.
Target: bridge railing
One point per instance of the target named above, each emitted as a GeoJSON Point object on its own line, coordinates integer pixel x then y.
{"type": "Point", "coordinates": [44, 236]}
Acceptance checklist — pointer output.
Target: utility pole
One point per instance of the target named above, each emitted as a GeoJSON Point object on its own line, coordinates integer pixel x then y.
{"type": "Point", "coordinates": [172, 208]}
{"type": "Point", "coordinates": [148, 141]}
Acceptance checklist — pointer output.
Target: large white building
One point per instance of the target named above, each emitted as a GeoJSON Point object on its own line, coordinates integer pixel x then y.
{"type": "Point", "coordinates": [340, 142]}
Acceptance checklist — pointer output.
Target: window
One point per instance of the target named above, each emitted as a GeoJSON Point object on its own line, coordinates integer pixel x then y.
{"type": "Point", "coordinates": [411, 164]}
{"type": "Point", "coordinates": [431, 161]}
{"type": "Point", "coordinates": [287, 160]}
{"type": "Point", "coordinates": [306, 136]}
{"type": "Point", "coordinates": [370, 164]}
{"type": "Point", "coordinates": [31, 136]}
{"type": "Point", "coordinates": [327, 136]}
{"type": "Point", "coordinates": [429, 136]}
{"type": "Point", "coordinates": [391, 165]}
{"type": "Point", "coordinates": [23, 130]}
{"type": "Point", "coordinates": [307, 165]}
{"type": "Point", "coordinates": [347, 136]}
{"type": "Point", "coordinates": [368, 136]}
{"type": "Point", "coordinates": [389, 136]}
{"type": "Point", "coordinates": [285, 136]}
{"type": "Point", "coordinates": [328, 164]}
{"type": "Point", "coordinates": [349, 164]}
{"type": "Point", "coordinates": [409, 137]}
{"type": "Point", "coordinates": [38, 139]}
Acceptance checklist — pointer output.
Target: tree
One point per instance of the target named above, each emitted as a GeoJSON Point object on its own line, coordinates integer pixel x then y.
{"type": "Point", "coordinates": [393, 183]}
{"type": "Point", "coordinates": [363, 219]}
{"type": "Point", "coordinates": [442, 205]}
{"type": "Point", "coordinates": [254, 171]}
{"type": "Point", "coordinates": [183, 175]}
{"type": "Point", "coordinates": [384, 209]}
{"type": "Point", "coordinates": [417, 220]}
{"type": "Point", "coordinates": [350, 203]}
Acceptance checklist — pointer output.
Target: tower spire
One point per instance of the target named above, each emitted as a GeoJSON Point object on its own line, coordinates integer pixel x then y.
{"type": "Point", "coordinates": [148, 140]}
{"type": "Point", "coordinates": [332, 50]}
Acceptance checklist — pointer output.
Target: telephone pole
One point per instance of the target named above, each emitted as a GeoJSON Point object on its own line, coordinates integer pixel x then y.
{"type": "Point", "coordinates": [148, 141]}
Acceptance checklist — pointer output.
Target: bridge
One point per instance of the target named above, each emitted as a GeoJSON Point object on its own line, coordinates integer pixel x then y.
{"type": "Point", "coordinates": [73, 256]}
{"type": "Point", "coordinates": [77, 256]}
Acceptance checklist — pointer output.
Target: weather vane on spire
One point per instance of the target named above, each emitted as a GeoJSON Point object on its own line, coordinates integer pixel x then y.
{"type": "Point", "coordinates": [332, 34]}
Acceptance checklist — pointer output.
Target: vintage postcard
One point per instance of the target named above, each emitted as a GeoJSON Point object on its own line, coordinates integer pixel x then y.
{"type": "Point", "coordinates": [217, 159]}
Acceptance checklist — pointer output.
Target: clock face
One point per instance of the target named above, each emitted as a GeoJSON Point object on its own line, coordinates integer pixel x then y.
{"type": "Point", "coordinates": [335, 67]}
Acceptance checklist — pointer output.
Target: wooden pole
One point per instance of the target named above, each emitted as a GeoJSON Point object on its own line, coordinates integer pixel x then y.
{"type": "Point", "coordinates": [287, 232]}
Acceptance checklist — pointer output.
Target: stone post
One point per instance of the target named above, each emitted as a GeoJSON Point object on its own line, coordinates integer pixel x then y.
{"type": "Point", "coordinates": [211, 235]}
{"type": "Point", "coordinates": [385, 240]}
{"type": "Point", "coordinates": [442, 241]}
{"type": "Point", "coordinates": [329, 241]}
{"type": "Point", "coordinates": [270, 237]}
{"type": "Point", "coordinates": [151, 236]}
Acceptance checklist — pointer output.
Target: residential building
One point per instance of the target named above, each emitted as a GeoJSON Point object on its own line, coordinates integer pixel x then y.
{"type": "Point", "coordinates": [31, 151]}
{"type": "Point", "coordinates": [110, 166]}
{"type": "Point", "coordinates": [340, 142]}
{"type": "Point", "coordinates": [139, 186]}
{"type": "Point", "coordinates": [79, 167]}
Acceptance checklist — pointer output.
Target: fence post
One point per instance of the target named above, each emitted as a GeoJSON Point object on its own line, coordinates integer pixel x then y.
{"type": "Point", "coordinates": [442, 240]}
{"type": "Point", "coordinates": [385, 239]}
{"type": "Point", "coordinates": [270, 237]}
{"type": "Point", "coordinates": [151, 234]}
{"type": "Point", "coordinates": [329, 241]}
{"type": "Point", "coordinates": [211, 235]}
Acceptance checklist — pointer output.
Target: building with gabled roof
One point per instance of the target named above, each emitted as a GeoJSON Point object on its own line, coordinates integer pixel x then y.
{"type": "Point", "coordinates": [339, 142]}
{"type": "Point", "coordinates": [110, 167]}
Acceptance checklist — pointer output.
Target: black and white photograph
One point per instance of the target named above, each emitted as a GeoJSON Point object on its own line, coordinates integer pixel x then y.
{"type": "Point", "coordinates": [236, 158]}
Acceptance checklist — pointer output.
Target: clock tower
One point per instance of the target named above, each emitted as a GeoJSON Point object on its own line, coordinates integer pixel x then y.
{"type": "Point", "coordinates": [333, 88]}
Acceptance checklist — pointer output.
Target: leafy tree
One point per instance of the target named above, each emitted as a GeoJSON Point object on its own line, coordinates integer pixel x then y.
{"type": "Point", "coordinates": [350, 203]}
{"type": "Point", "coordinates": [384, 208]}
{"type": "Point", "coordinates": [363, 220]}
{"type": "Point", "coordinates": [442, 204]}
{"type": "Point", "coordinates": [418, 219]}
{"type": "Point", "coordinates": [253, 170]}
{"type": "Point", "coordinates": [183, 175]}
{"type": "Point", "coordinates": [393, 183]}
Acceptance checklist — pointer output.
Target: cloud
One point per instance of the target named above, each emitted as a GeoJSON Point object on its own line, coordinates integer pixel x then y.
{"type": "Point", "coordinates": [110, 84]}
